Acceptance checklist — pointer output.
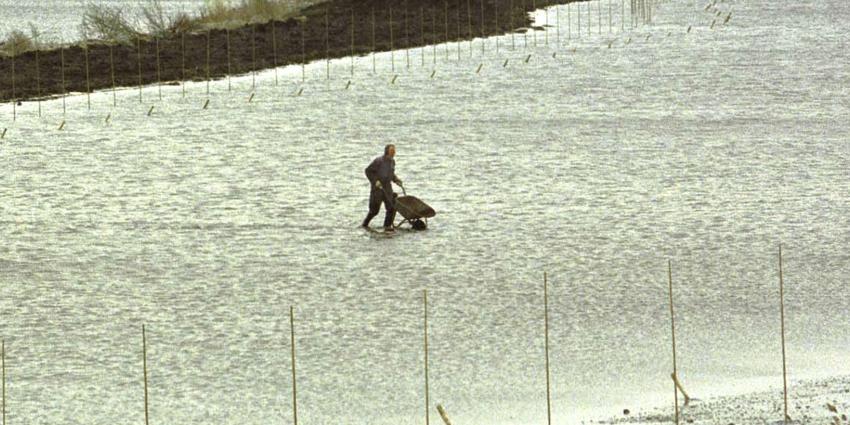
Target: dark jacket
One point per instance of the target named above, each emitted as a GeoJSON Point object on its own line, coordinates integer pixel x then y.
{"type": "Point", "coordinates": [382, 169]}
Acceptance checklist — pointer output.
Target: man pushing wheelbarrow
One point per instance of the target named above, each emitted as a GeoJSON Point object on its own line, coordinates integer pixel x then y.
{"type": "Point", "coordinates": [381, 175]}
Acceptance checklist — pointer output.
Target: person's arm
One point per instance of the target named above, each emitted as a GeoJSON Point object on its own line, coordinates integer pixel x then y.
{"type": "Point", "coordinates": [372, 172]}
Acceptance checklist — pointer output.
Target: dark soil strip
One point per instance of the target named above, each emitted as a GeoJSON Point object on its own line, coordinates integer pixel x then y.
{"type": "Point", "coordinates": [462, 16]}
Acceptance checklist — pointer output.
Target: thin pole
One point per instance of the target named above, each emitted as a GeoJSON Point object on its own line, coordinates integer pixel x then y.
{"type": "Point", "coordinates": [458, 33]}
{"type": "Point", "coordinates": [427, 394]}
{"type": "Point", "coordinates": [578, 18]}
{"type": "Point", "coordinates": [546, 333]}
{"type": "Point", "coordinates": [292, 347]}
{"type": "Point", "coordinates": [183, 63]}
{"type": "Point", "coordinates": [589, 19]}
{"type": "Point", "coordinates": [145, 370]}
{"type": "Point", "coordinates": [62, 71]}
{"type": "Point", "coordinates": [352, 42]}
{"type": "Point", "coordinates": [208, 63]}
{"type": "Point", "coordinates": [139, 58]}
{"type": "Point", "coordinates": [610, 17]}
{"type": "Point", "coordinates": [558, 26]}
{"type": "Point", "coordinates": [112, 72]}
{"type": "Point", "coordinates": [374, 65]}
{"type": "Point", "coordinates": [782, 318]}
{"type": "Point", "coordinates": [3, 366]}
{"type": "Point", "coordinates": [274, 49]}
{"type": "Point", "coordinates": [88, 80]}
{"type": "Point", "coordinates": [436, 29]}
{"type": "Point", "coordinates": [227, 41]}
{"type": "Point", "coordinates": [599, 16]}
{"type": "Point", "coordinates": [546, 33]}
{"type": "Point", "coordinates": [569, 22]}
{"type": "Point", "coordinates": [673, 337]}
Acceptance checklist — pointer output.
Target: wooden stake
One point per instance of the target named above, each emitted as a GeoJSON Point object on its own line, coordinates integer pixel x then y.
{"type": "Point", "coordinates": [88, 80]}
{"type": "Point", "coordinates": [546, 333]}
{"type": "Point", "coordinates": [292, 347]}
{"type": "Point", "coordinates": [352, 42]}
{"type": "Point", "coordinates": [673, 338]}
{"type": "Point", "coordinates": [427, 394]}
{"type": "Point", "coordinates": [3, 364]}
{"type": "Point", "coordinates": [443, 414]}
{"type": "Point", "coordinates": [374, 49]}
{"type": "Point", "coordinates": [145, 371]}
{"type": "Point", "coordinates": [782, 323]}
{"type": "Point", "coordinates": [227, 41]}
{"type": "Point", "coordinates": [139, 60]}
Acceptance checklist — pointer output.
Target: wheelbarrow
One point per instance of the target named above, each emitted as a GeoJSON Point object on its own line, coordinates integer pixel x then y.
{"type": "Point", "coordinates": [413, 211]}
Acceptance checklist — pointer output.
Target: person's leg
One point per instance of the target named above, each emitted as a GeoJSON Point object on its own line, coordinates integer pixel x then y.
{"type": "Point", "coordinates": [389, 205]}
{"type": "Point", "coordinates": [374, 206]}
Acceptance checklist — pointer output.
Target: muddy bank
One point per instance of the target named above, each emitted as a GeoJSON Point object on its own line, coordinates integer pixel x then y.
{"type": "Point", "coordinates": [395, 24]}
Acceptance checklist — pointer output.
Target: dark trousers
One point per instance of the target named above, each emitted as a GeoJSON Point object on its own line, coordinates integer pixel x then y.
{"type": "Point", "coordinates": [375, 198]}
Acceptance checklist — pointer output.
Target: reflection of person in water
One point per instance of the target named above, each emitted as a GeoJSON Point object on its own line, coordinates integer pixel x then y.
{"type": "Point", "coordinates": [381, 175]}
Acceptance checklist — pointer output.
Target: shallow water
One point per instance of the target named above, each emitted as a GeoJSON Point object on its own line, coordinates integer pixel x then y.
{"type": "Point", "coordinates": [708, 148]}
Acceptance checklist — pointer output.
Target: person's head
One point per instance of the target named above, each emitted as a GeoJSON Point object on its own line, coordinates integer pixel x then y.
{"type": "Point", "coordinates": [389, 150]}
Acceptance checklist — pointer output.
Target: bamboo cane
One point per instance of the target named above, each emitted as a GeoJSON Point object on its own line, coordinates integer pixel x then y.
{"type": "Point", "coordinates": [38, 77]}
{"type": "Point", "coordinates": [446, 9]}
{"type": "Point", "coordinates": [158, 71]}
{"type": "Point", "coordinates": [782, 327]}
{"type": "Point", "coordinates": [469, 24]}
{"type": "Point", "coordinates": [303, 54]}
{"type": "Point", "coordinates": [327, 45]}
{"type": "Point", "coordinates": [427, 393]}
{"type": "Point", "coordinates": [145, 370]}
{"type": "Point", "coordinates": [483, 38]}
{"type": "Point", "coordinates": [292, 348]}
{"type": "Point", "coordinates": [546, 333]}
{"type": "Point", "coordinates": [3, 366]}
{"type": "Point", "coordinates": [352, 42]}
{"type": "Point", "coordinates": [406, 36]}
{"type": "Point", "coordinates": [392, 42]}
{"type": "Point", "coordinates": [374, 49]}
{"type": "Point", "coordinates": [422, 34]}
{"type": "Point", "coordinates": [14, 88]}
{"type": "Point", "coordinates": [511, 19]}
{"type": "Point", "coordinates": [534, 9]}
{"type": "Point", "coordinates": [673, 339]}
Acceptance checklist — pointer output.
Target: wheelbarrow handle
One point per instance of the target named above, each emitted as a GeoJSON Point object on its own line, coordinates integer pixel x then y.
{"type": "Point", "coordinates": [402, 190]}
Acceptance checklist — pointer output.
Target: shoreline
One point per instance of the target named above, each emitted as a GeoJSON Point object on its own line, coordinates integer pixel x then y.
{"type": "Point", "coordinates": [809, 401]}
{"type": "Point", "coordinates": [203, 56]}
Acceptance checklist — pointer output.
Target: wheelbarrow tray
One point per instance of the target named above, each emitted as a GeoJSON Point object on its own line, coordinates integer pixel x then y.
{"type": "Point", "coordinates": [412, 208]}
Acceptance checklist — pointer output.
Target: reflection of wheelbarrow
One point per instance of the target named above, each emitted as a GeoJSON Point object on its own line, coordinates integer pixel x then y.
{"type": "Point", "coordinates": [413, 210]}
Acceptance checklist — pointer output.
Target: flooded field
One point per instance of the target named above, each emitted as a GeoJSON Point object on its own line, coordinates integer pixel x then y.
{"type": "Point", "coordinates": [708, 147]}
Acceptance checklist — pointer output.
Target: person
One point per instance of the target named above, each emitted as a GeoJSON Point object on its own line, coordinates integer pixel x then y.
{"type": "Point", "coordinates": [381, 175]}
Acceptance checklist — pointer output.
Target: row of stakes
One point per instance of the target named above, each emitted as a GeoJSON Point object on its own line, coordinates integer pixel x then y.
{"type": "Point", "coordinates": [677, 384]}
{"type": "Point", "coordinates": [641, 12]}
